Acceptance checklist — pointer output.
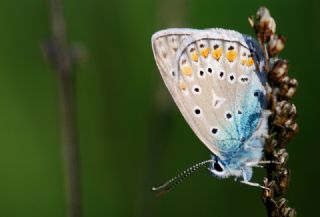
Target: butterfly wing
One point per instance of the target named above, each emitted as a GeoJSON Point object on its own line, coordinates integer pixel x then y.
{"type": "Point", "coordinates": [165, 45]}
{"type": "Point", "coordinates": [211, 76]}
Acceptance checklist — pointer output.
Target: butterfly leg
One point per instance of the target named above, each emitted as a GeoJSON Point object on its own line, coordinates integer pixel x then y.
{"type": "Point", "coordinates": [268, 162]}
{"type": "Point", "coordinates": [254, 184]}
{"type": "Point", "coordinates": [261, 163]}
{"type": "Point", "coordinates": [246, 175]}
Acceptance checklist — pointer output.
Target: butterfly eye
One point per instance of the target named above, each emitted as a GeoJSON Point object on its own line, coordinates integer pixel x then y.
{"type": "Point", "coordinates": [217, 166]}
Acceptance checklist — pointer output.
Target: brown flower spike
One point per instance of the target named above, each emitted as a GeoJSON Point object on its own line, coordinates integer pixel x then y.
{"type": "Point", "coordinates": [282, 123]}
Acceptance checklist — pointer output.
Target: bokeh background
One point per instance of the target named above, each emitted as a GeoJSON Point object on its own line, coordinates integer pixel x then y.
{"type": "Point", "coordinates": [131, 134]}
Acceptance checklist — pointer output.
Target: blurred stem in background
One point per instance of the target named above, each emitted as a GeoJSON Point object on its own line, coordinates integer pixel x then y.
{"type": "Point", "coordinates": [59, 54]}
{"type": "Point", "coordinates": [170, 13]}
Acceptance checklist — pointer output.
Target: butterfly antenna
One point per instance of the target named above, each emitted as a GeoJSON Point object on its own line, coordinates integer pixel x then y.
{"type": "Point", "coordinates": [169, 185]}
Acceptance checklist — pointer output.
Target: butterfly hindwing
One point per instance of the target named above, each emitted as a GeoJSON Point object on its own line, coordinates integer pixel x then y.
{"type": "Point", "coordinates": [212, 77]}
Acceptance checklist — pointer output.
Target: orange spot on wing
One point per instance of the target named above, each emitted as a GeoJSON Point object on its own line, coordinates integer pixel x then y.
{"type": "Point", "coordinates": [231, 55]}
{"type": "Point", "coordinates": [250, 61]}
{"type": "Point", "coordinates": [217, 53]}
{"type": "Point", "coordinates": [187, 70]}
{"type": "Point", "coordinates": [194, 57]}
{"type": "Point", "coordinates": [205, 52]}
{"type": "Point", "coordinates": [182, 85]}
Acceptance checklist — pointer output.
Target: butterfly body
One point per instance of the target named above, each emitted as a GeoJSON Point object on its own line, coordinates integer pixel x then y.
{"type": "Point", "coordinates": [215, 77]}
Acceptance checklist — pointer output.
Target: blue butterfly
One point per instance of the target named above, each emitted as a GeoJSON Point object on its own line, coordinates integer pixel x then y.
{"type": "Point", "coordinates": [216, 78]}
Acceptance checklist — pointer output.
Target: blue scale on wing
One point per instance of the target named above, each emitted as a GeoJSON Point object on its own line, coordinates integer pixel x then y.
{"type": "Point", "coordinates": [252, 105]}
{"type": "Point", "coordinates": [229, 146]}
{"type": "Point", "coordinates": [222, 89]}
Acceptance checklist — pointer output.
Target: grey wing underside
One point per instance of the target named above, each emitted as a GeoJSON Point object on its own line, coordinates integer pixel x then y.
{"type": "Point", "coordinates": [189, 60]}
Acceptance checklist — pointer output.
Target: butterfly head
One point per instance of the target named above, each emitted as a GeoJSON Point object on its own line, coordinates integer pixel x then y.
{"type": "Point", "coordinates": [219, 169]}
{"type": "Point", "coordinates": [235, 166]}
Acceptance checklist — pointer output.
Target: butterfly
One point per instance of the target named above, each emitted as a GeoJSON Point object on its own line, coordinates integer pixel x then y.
{"type": "Point", "coordinates": [216, 78]}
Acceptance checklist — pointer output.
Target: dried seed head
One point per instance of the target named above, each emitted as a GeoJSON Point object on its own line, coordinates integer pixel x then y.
{"type": "Point", "coordinates": [293, 82]}
{"type": "Point", "coordinates": [265, 24]}
{"type": "Point", "coordinates": [291, 91]}
{"type": "Point", "coordinates": [288, 123]}
{"type": "Point", "coordinates": [290, 109]}
{"type": "Point", "coordinates": [290, 88]}
{"type": "Point", "coordinates": [284, 87]}
{"type": "Point", "coordinates": [275, 45]}
{"type": "Point", "coordinates": [269, 192]}
{"type": "Point", "coordinates": [281, 157]}
{"type": "Point", "coordinates": [289, 212]}
{"type": "Point", "coordinates": [279, 71]}
{"type": "Point", "coordinates": [294, 128]}
{"type": "Point", "coordinates": [283, 180]}
{"type": "Point", "coordinates": [284, 80]}
{"type": "Point", "coordinates": [282, 202]}
{"type": "Point", "coordinates": [289, 82]}
{"type": "Point", "coordinates": [284, 210]}
{"type": "Point", "coordinates": [284, 116]}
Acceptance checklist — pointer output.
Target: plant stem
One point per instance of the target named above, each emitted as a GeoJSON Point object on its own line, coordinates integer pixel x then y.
{"type": "Point", "coordinates": [58, 53]}
{"type": "Point", "coordinates": [170, 13]}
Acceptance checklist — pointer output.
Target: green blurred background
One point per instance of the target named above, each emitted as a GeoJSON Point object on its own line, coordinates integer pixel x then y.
{"type": "Point", "coordinates": [131, 135]}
